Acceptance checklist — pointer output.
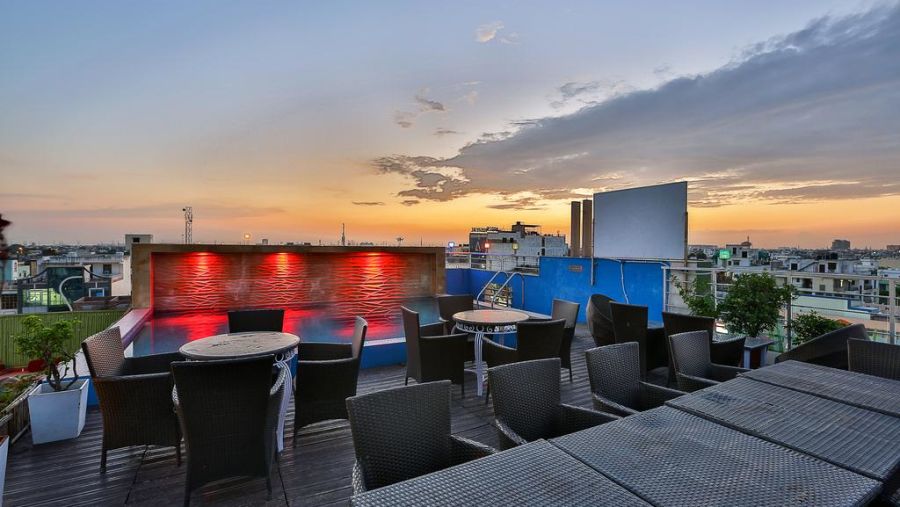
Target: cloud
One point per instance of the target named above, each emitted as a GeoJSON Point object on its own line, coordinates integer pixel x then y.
{"type": "Point", "coordinates": [410, 202]}
{"type": "Point", "coordinates": [810, 115]}
{"type": "Point", "coordinates": [488, 31]}
{"type": "Point", "coordinates": [441, 132]}
{"type": "Point", "coordinates": [429, 105]}
{"type": "Point", "coordinates": [152, 211]}
{"type": "Point", "coordinates": [521, 204]}
{"type": "Point", "coordinates": [590, 92]}
{"type": "Point", "coordinates": [406, 119]}
{"type": "Point", "coordinates": [368, 203]}
{"type": "Point", "coordinates": [471, 97]}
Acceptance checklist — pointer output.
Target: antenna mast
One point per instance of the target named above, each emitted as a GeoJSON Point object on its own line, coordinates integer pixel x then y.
{"type": "Point", "coordinates": [343, 237]}
{"type": "Point", "coordinates": [188, 224]}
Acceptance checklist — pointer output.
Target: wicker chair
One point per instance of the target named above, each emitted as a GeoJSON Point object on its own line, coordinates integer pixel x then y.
{"type": "Point", "coordinates": [430, 354]}
{"type": "Point", "coordinates": [403, 433]}
{"type": "Point", "coordinates": [568, 311]}
{"type": "Point", "coordinates": [134, 395]}
{"type": "Point", "coordinates": [535, 339]}
{"type": "Point", "coordinates": [527, 404]}
{"type": "Point", "coordinates": [599, 320]}
{"type": "Point", "coordinates": [630, 325]}
{"type": "Point", "coordinates": [730, 353]}
{"type": "Point", "coordinates": [326, 377]}
{"type": "Point", "coordinates": [450, 305]}
{"type": "Point", "coordinates": [228, 411]}
{"type": "Point", "coordinates": [614, 373]}
{"type": "Point", "coordinates": [874, 358]}
{"type": "Point", "coordinates": [694, 369]}
{"type": "Point", "coordinates": [830, 349]}
{"type": "Point", "coordinates": [242, 321]}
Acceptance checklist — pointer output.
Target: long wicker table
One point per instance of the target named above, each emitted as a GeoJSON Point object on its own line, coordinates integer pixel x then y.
{"type": "Point", "coordinates": [860, 440]}
{"type": "Point", "coordinates": [534, 474]}
{"type": "Point", "coordinates": [669, 457]}
{"type": "Point", "coordinates": [864, 391]}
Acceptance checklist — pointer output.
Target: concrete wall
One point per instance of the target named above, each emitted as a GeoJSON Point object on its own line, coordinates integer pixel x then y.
{"type": "Point", "coordinates": [570, 278]}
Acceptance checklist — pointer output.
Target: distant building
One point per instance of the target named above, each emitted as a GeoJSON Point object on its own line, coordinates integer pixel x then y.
{"type": "Point", "coordinates": [840, 244]}
{"type": "Point", "coordinates": [893, 248]}
{"type": "Point", "coordinates": [133, 239]}
{"type": "Point", "coordinates": [741, 254]}
{"type": "Point", "coordinates": [521, 241]}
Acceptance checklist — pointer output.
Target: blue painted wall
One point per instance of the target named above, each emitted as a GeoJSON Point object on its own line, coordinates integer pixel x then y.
{"type": "Point", "coordinates": [569, 278]}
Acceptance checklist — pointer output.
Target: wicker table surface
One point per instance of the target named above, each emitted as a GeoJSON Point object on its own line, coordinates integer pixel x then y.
{"type": "Point", "coordinates": [534, 474]}
{"type": "Point", "coordinates": [489, 317]}
{"type": "Point", "coordinates": [865, 391]}
{"type": "Point", "coordinates": [237, 345]}
{"type": "Point", "coordinates": [860, 440]}
{"type": "Point", "coordinates": [670, 457]}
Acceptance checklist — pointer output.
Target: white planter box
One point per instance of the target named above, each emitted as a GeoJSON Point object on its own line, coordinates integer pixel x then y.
{"type": "Point", "coordinates": [4, 452]}
{"type": "Point", "coordinates": [57, 415]}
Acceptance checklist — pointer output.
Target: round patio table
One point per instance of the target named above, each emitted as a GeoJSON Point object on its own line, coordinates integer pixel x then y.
{"type": "Point", "coordinates": [481, 322]}
{"type": "Point", "coordinates": [251, 344]}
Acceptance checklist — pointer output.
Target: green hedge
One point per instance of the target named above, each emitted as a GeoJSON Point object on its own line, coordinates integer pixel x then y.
{"type": "Point", "coordinates": [90, 322]}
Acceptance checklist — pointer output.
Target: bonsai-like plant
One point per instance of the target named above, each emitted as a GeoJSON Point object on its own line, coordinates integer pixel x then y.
{"type": "Point", "coordinates": [698, 296]}
{"type": "Point", "coordinates": [48, 343]}
{"type": "Point", "coordinates": [753, 303]}
{"type": "Point", "coordinates": [807, 326]}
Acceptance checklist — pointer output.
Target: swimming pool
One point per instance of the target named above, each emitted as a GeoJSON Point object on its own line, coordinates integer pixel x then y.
{"type": "Point", "coordinates": [167, 331]}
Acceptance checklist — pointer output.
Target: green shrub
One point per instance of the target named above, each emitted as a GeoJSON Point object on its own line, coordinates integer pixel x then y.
{"type": "Point", "coordinates": [807, 326]}
{"type": "Point", "coordinates": [698, 296]}
{"type": "Point", "coordinates": [48, 343]}
{"type": "Point", "coordinates": [753, 303]}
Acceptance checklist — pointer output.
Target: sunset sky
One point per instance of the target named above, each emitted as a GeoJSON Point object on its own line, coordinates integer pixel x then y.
{"type": "Point", "coordinates": [422, 119]}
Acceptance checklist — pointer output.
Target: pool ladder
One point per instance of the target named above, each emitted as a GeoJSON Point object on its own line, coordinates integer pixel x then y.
{"type": "Point", "coordinates": [498, 293]}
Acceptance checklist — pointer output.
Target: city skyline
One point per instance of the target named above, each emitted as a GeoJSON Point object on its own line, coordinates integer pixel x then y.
{"type": "Point", "coordinates": [421, 121]}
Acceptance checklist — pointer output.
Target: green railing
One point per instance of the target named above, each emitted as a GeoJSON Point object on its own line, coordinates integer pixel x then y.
{"type": "Point", "coordinates": [89, 323]}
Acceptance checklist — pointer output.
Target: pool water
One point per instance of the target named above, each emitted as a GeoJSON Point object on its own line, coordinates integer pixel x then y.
{"type": "Point", "coordinates": [167, 332]}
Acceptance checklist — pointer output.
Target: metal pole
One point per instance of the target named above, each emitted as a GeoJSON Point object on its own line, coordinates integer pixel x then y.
{"type": "Point", "coordinates": [892, 299]}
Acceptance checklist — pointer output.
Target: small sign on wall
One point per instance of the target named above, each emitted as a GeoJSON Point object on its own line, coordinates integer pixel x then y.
{"type": "Point", "coordinates": [576, 268]}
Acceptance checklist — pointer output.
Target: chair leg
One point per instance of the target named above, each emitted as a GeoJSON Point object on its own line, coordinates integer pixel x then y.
{"type": "Point", "coordinates": [103, 461]}
{"type": "Point", "coordinates": [269, 486]}
{"type": "Point", "coordinates": [178, 453]}
{"type": "Point", "coordinates": [487, 395]}
{"type": "Point", "coordinates": [406, 382]}
{"type": "Point", "coordinates": [462, 387]}
{"type": "Point", "coordinates": [570, 374]}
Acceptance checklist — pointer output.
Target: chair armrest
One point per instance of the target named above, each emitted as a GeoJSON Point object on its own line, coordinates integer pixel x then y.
{"type": "Point", "coordinates": [156, 363]}
{"type": "Point", "coordinates": [572, 418]}
{"type": "Point", "coordinates": [324, 351]}
{"type": "Point", "coordinates": [690, 383]}
{"type": "Point", "coordinates": [722, 373]}
{"type": "Point", "coordinates": [495, 354]}
{"type": "Point", "coordinates": [358, 479]}
{"type": "Point", "coordinates": [609, 406]}
{"type": "Point", "coordinates": [433, 329]}
{"type": "Point", "coordinates": [508, 437]}
{"type": "Point", "coordinates": [653, 396]}
{"type": "Point", "coordinates": [462, 450]}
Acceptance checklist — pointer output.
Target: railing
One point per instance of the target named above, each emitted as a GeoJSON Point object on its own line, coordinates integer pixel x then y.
{"type": "Point", "coordinates": [866, 299]}
{"type": "Point", "coordinates": [89, 323]}
{"type": "Point", "coordinates": [497, 291]}
{"type": "Point", "coordinates": [529, 264]}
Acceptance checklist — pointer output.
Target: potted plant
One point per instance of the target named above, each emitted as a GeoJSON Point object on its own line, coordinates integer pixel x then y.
{"type": "Point", "coordinates": [57, 406]}
{"type": "Point", "coordinates": [13, 415]}
{"type": "Point", "coordinates": [753, 303]}
{"type": "Point", "coordinates": [807, 326]}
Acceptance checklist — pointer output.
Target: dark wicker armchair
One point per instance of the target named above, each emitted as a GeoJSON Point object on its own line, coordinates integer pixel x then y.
{"type": "Point", "coordinates": [614, 373]}
{"type": "Point", "coordinates": [535, 339]}
{"type": "Point", "coordinates": [450, 305]}
{"type": "Point", "coordinates": [527, 404]}
{"type": "Point", "coordinates": [134, 394]}
{"type": "Point", "coordinates": [630, 325]}
{"type": "Point", "coordinates": [730, 352]}
{"type": "Point", "coordinates": [403, 433]}
{"type": "Point", "coordinates": [326, 377]}
{"type": "Point", "coordinates": [694, 369]}
{"type": "Point", "coordinates": [874, 358]}
{"type": "Point", "coordinates": [430, 354]}
{"type": "Point", "coordinates": [242, 321]}
{"type": "Point", "coordinates": [228, 411]}
{"type": "Point", "coordinates": [568, 311]}
{"type": "Point", "coordinates": [830, 349]}
{"type": "Point", "coordinates": [599, 319]}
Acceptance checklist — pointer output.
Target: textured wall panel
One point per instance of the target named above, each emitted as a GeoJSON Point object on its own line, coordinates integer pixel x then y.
{"type": "Point", "coordinates": [371, 284]}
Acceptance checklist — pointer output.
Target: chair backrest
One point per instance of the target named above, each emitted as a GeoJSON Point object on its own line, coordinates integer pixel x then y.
{"type": "Point", "coordinates": [629, 322]}
{"type": "Point", "coordinates": [599, 319]}
{"type": "Point", "coordinates": [676, 323]}
{"type": "Point", "coordinates": [539, 339]}
{"type": "Point", "coordinates": [874, 358]}
{"type": "Point", "coordinates": [449, 305]}
{"type": "Point", "coordinates": [615, 372]}
{"type": "Point", "coordinates": [104, 353]}
{"type": "Point", "coordinates": [242, 321]}
{"type": "Point", "coordinates": [526, 396]}
{"type": "Point", "coordinates": [225, 414]}
{"type": "Point", "coordinates": [690, 353]}
{"type": "Point", "coordinates": [401, 433]}
{"type": "Point", "coordinates": [360, 328]}
{"type": "Point", "coordinates": [566, 310]}
{"type": "Point", "coordinates": [412, 333]}
{"type": "Point", "coordinates": [830, 349]}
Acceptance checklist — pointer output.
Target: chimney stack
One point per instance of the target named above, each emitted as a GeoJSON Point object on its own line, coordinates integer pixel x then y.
{"type": "Point", "coordinates": [587, 226]}
{"type": "Point", "coordinates": [575, 232]}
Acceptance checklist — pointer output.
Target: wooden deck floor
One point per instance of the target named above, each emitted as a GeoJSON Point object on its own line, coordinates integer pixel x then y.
{"type": "Point", "coordinates": [316, 472]}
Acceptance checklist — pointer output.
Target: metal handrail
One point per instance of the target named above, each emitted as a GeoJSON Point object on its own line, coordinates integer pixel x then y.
{"type": "Point", "coordinates": [481, 292]}
{"type": "Point", "coordinates": [509, 277]}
